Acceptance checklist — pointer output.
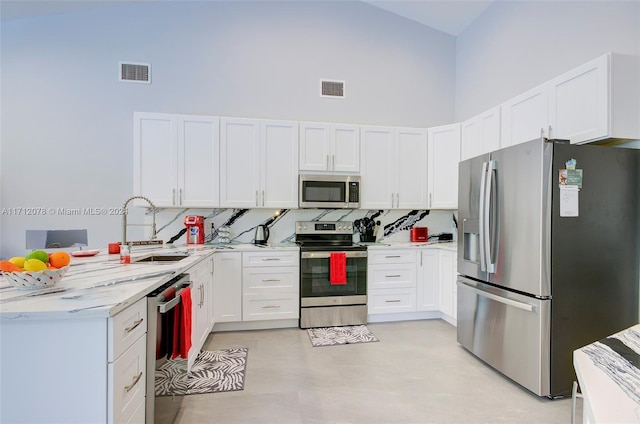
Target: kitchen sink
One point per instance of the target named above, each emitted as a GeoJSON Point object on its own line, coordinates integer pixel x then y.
{"type": "Point", "coordinates": [160, 258]}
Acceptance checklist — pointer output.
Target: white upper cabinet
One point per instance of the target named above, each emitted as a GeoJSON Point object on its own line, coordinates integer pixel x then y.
{"type": "Point", "coordinates": [393, 168]}
{"type": "Point", "coordinates": [176, 159]}
{"type": "Point", "coordinates": [481, 134]}
{"type": "Point", "coordinates": [443, 158]}
{"type": "Point", "coordinates": [597, 100]}
{"type": "Point", "coordinates": [329, 147]}
{"type": "Point", "coordinates": [524, 117]}
{"type": "Point", "coordinates": [258, 163]}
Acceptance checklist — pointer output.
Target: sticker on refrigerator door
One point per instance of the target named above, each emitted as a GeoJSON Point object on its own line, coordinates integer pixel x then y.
{"type": "Point", "coordinates": [569, 201]}
{"type": "Point", "coordinates": [570, 177]}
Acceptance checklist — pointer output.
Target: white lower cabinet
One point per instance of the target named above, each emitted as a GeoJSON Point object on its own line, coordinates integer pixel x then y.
{"type": "Point", "coordinates": [270, 285]}
{"type": "Point", "coordinates": [201, 277]}
{"type": "Point", "coordinates": [391, 281]}
{"type": "Point", "coordinates": [448, 292]}
{"type": "Point", "coordinates": [428, 280]}
{"type": "Point", "coordinates": [227, 286]}
{"type": "Point", "coordinates": [126, 367]}
{"type": "Point", "coordinates": [126, 379]}
{"type": "Point", "coordinates": [419, 283]}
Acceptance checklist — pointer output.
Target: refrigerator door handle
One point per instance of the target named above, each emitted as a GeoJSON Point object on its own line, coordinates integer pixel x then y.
{"type": "Point", "coordinates": [490, 232]}
{"type": "Point", "coordinates": [481, 213]}
{"type": "Point", "coordinates": [520, 305]}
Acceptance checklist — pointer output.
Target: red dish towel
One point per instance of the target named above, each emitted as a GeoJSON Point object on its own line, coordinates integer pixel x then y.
{"type": "Point", "coordinates": [182, 323]}
{"type": "Point", "coordinates": [338, 268]}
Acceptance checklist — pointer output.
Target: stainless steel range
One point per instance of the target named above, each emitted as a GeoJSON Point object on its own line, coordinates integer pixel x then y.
{"type": "Point", "coordinates": [324, 300]}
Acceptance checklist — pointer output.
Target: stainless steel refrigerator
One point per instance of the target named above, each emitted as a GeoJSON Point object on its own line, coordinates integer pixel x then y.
{"type": "Point", "coordinates": [548, 256]}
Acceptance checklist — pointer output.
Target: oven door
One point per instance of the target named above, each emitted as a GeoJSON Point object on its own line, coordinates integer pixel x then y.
{"type": "Point", "coordinates": [315, 272]}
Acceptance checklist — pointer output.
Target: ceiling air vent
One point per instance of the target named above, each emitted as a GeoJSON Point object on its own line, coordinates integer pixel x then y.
{"type": "Point", "coordinates": [135, 72]}
{"type": "Point", "coordinates": [332, 88]}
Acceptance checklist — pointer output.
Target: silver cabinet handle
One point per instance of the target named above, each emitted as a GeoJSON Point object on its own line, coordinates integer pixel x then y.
{"type": "Point", "coordinates": [135, 381]}
{"type": "Point", "coordinates": [262, 197]}
{"type": "Point", "coordinates": [429, 199]}
{"type": "Point", "coordinates": [270, 280]}
{"type": "Point", "coordinates": [270, 259]}
{"type": "Point", "coordinates": [256, 197]}
{"type": "Point", "coordinates": [397, 200]}
{"type": "Point", "coordinates": [393, 301]}
{"type": "Point", "coordinates": [392, 276]}
{"type": "Point", "coordinates": [133, 327]}
{"type": "Point", "coordinates": [180, 197]}
{"type": "Point", "coordinates": [392, 256]}
{"type": "Point", "coordinates": [333, 162]}
{"type": "Point", "coordinates": [328, 169]}
{"type": "Point", "coordinates": [271, 307]}
{"type": "Point", "coordinates": [173, 197]}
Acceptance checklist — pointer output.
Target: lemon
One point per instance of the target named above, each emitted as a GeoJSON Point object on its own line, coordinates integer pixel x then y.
{"type": "Point", "coordinates": [18, 261]}
{"type": "Point", "coordinates": [38, 254]}
{"type": "Point", "coordinates": [34, 265]}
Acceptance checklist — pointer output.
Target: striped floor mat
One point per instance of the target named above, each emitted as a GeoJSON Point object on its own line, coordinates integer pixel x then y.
{"type": "Point", "coordinates": [212, 372]}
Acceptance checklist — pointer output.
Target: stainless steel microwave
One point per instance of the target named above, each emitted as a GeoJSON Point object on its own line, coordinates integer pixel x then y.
{"type": "Point", "coordinates": [329, 191]}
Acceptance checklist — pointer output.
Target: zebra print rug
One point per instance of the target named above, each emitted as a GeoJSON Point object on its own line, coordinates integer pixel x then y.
{"type": "Point", "coordinates": [212, 372]}
{"type": "Point", "coordinates": [331, 336]}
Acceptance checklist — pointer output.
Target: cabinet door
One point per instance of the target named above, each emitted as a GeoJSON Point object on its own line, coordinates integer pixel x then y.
{"type": "Point", "coordinates": [411, 168]}
{"type": "Point", "coordinates": [279, 164]}
{"type": "Point", "coordinates": [227, 287]}
{"type": "Point", "coordinates": [345, 142]}
{"type": "Point", "coordinates": [443, 158]}
{"type": "Point", "coordinates": [315, 145]}
{"type": "Point", "coordinates": [481, 134]}
{"type": "Point", "coordinates": [428, 280]}
{"type": "Point", "coordinates": [239, 162]}
{"type": "Point", "coordinates": [579, 102]}
{"type": "Point", "coordinates": [198, 159]}
{"type": "Point", "coordinates": [377, 159]}
{"type": "Point", "coordinates": [447, 283]}
{"type": "Point", "coordinates": [155, 157]}
{"type": "Point", "coordinates": [525, 117]}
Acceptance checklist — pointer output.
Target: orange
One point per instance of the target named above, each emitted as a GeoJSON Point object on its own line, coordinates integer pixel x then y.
{"type": "Point", "coordinates": [51, 267]}
{"type": "Point", "coordinates": [7, 266]}
{"type": "Point", "coordinates": [59, 259]}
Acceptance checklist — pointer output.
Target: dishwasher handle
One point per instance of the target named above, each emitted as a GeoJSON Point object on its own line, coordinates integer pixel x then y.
{"type": "Point", "coordinates": [164, 307]}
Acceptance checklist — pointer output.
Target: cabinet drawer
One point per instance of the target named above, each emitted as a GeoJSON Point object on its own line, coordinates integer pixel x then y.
{"type": "Point", "coordinates": [270, 306]}
{"type": "Point", "coordinates": [392, 256]}
{"type": "Point", "coordinates": [126, 327]}
{"type": "Point", "coordinates": [392, 276]}
{"type": "Point", "coordinates": [271, 258]}
{"type": "Point", "coordinates": [386, 301]}
{"type": "Point", "coordinates": [127, 382]}
{"type": "Point", "coordinates": [271, 279]}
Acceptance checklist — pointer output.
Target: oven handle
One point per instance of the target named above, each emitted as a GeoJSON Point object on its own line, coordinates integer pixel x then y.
{"type": "Point", "coordinates": [165, 307]}
{"type": "Point", "coordinates": [321, 255]}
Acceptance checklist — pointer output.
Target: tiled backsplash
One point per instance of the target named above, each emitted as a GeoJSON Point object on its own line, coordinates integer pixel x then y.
{"type": "Point", "coordinates": [395, 224]}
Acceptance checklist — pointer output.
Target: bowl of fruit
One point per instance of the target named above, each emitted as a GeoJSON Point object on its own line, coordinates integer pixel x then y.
{"type": "Point", "coordinates": [36, 270]}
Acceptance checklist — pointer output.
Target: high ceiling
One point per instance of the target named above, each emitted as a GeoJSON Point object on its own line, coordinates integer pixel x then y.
{"type": "Point", "coordinates": [450, 16]}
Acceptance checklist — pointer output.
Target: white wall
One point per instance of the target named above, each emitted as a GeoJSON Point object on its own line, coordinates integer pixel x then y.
{"type": "Point", "coordinates": [67, 123]}
{"type": "Point", "coordinates": [516, 45]}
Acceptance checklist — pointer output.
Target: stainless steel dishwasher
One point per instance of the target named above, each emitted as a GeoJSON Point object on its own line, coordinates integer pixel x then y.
{"type": "Point", "coordinates": [160, 308]}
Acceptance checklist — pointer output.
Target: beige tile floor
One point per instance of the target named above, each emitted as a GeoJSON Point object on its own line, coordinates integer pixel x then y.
{"type": "Point", "coordinates": [417, 373]}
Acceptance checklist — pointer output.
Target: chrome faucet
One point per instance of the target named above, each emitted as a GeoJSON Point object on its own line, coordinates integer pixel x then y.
{"type": "Point", "coordinates": [124, 218]}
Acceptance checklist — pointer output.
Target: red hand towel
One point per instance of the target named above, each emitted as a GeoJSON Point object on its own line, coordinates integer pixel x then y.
{"type": "Point", "coordinates": [182, 335]}
{"type": "Point", "coordinates": [338, 268]}
{"type": "Point", "coordinates": [185, 326]}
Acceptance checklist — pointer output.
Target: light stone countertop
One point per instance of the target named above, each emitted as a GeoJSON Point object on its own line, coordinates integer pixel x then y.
{"type": "Point", "coordinates": [610, 383]}
{"type": "Point", "coordinates": [99, 286]}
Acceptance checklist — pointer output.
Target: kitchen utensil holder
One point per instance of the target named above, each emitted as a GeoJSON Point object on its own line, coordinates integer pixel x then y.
{"type": "Point", "coordinates": [367, 238]}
